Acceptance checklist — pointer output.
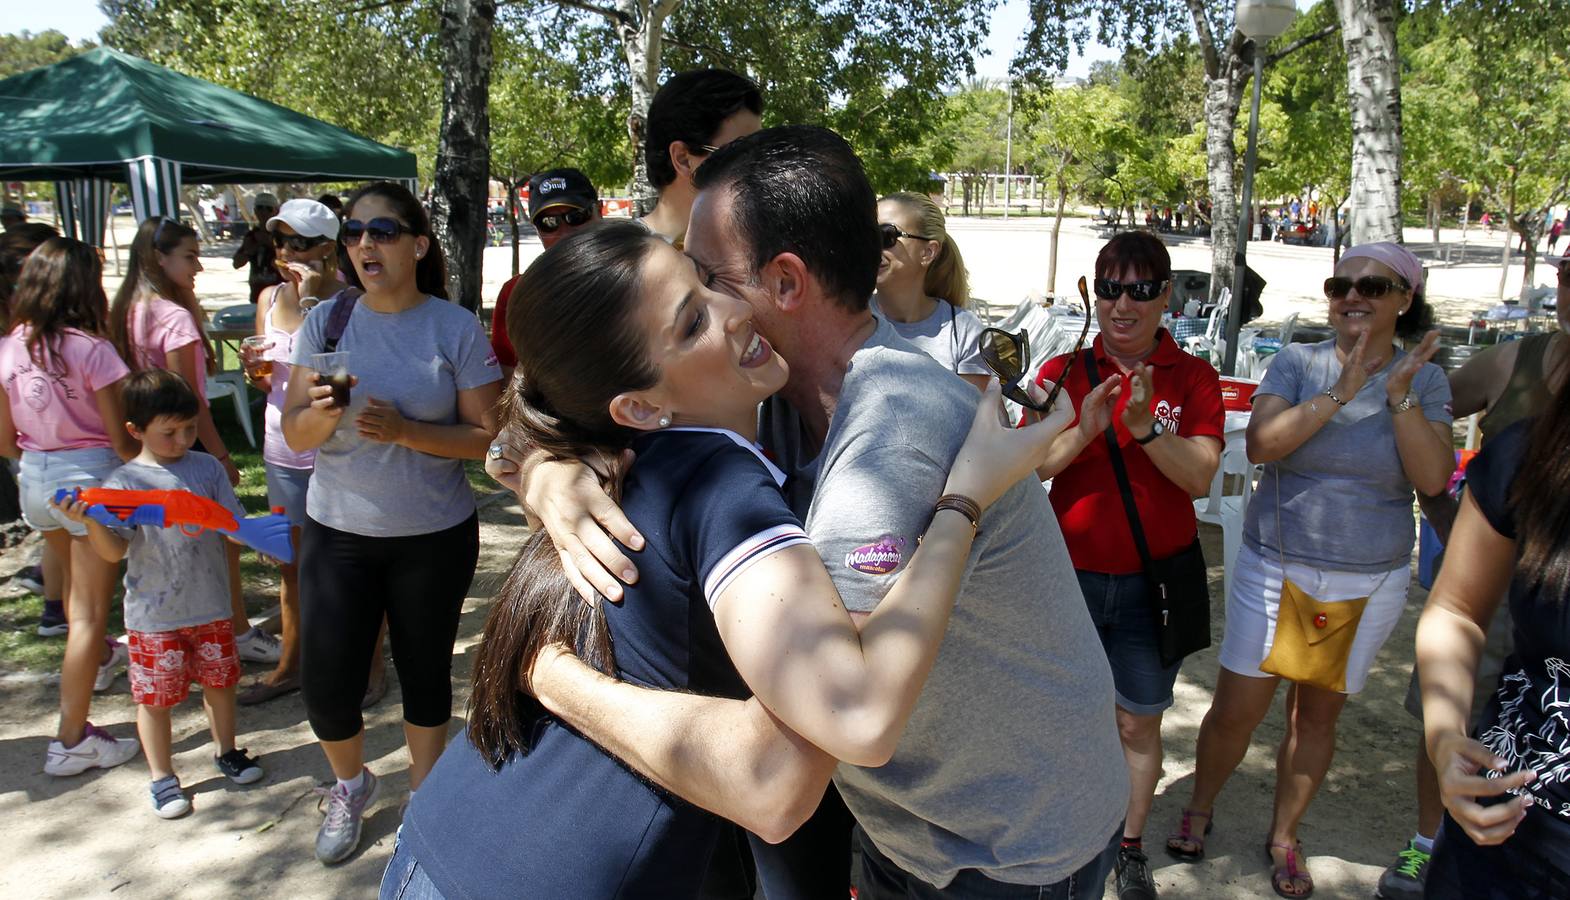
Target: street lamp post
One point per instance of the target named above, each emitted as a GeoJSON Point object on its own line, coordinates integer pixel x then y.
{"type": "Point", "coordinates": [1259, 21]}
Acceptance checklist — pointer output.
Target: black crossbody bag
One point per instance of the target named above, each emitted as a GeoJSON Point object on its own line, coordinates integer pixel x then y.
{"type": "Point", "coordinates": [1179, 586]}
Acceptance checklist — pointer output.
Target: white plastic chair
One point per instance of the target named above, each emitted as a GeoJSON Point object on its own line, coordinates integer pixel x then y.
{"type": "Point", "coordinates": [232, 384]}
{"type": "Point", "coordinates": [1226, 508]}
{"type": "Point", "coordinates": [1210, 343]}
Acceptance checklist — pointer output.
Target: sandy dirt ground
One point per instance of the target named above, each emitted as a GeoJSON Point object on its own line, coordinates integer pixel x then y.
{"type": "Point", "coordinates": [95, 835]}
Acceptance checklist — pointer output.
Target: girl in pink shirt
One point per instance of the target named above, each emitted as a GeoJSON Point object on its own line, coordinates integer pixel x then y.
{"type": "Point", "coordinates": [60, 382]}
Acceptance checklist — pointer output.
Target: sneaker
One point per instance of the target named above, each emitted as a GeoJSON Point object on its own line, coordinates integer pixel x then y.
{"type": "Point", "coordinates": [31, 578]}
{"type": "Point", "coordinates": [98, 749]}
{"type": "Point", "coordinates": [52, 623]}
{"type": "Point", "coordinates": [119, 658]}
{"type": "Point", "coordinates": [239, 767]}
{"type": "Point", "coordinates": [169, 801]}
{"type": "Point", "coordinates": [340, 831]}
{"type": "Point", "coordinates": [1133, 874]}
{"type": "Point", "coordinates": [258, 646]}
{"type": "Point", "coordinates": [1404, 879]}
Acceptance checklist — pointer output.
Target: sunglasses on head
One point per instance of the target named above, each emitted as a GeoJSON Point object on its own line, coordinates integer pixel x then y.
{"type": "Point", "coordinates": [382, 229]}
{"type": "Point", "coordinates": [891, 235]}
{"type": "Point", "coordinates": [1370, 286]}
{"type": "Point", "coordinates": [299, 243]}
{"type": "Point", "coordinates": [1142, 291]}
{"type": "Point", "coordinates": [1007, 355]}
{"type": "Point", "coordinates": [572, 218]}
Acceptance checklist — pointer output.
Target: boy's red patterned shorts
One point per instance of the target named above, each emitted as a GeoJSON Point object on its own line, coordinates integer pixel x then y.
{"type": "Point", "coordinates": [164, 663]}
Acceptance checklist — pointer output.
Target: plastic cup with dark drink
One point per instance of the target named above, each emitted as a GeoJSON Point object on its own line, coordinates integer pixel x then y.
{"type": "Point", "coordinates": [333, 369]}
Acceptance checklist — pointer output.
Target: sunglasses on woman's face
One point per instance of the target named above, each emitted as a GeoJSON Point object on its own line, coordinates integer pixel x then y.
{"type": "Point", "coordinates": [1140, 291]}
{"type": "Point", "coordinates": [1008, 354]}
{"type": "Point", "coordinates": [549, 223]}
{"type": "Point", "coordinates": [891, 235]}
{"type": "Point", "coordinates": [1370, 286]}
{"type": "Point", "coordinates": [299, 243]}
{"type": "Point", "coordinates": [382, 229]}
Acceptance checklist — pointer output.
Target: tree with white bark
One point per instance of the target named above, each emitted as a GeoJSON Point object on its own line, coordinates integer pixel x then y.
{"type": "Point", "coordinates": [1368, 34]}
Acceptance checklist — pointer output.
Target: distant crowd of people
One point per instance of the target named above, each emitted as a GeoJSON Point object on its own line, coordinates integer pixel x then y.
{"type": "Point", "coordinates": [794, 594]}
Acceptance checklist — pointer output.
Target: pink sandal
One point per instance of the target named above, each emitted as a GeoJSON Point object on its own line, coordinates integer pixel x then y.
{"type": "Point", "coordinates": [1289, 873]}
{"type": "Point", "coordinates": [1187, 835]}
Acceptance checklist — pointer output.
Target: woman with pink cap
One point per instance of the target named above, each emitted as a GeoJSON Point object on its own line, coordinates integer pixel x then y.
{"type": "Point", "coordinates": [1347, 429]}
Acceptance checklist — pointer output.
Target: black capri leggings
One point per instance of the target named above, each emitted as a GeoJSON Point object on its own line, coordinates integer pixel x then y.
{"type": "Point", "coordinates": [347, 582]}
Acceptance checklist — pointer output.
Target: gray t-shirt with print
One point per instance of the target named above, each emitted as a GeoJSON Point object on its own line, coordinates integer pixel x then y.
{"type": "Point", "coordinates": [173, 580]}
{"type": "Point", "coordinates": [950, 335]}
{"type": "Point", "coordinates": [1345, 502]}
{"type": "Point", "coordinates": [1010, 762]}
{"type": "Point", "coordinates": [418, 360]}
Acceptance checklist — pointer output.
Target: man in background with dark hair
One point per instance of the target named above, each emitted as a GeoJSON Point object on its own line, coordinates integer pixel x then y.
{"type": "Point", "coordinates": [692, 115]}
{"type": "Point", "coordinates": [12, 216]}
{"type": "Point", "coordinates": [1009, 779]}
{"type": "Point", "coordinates": [256, 248]}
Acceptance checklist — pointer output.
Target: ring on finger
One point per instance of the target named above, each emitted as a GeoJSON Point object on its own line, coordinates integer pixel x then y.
{"type": "Point", "coordinates": [494, 452]}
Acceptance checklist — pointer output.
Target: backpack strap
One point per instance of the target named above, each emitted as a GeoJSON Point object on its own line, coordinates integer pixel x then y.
{"type": "Point", "coordinates": [338, 320]}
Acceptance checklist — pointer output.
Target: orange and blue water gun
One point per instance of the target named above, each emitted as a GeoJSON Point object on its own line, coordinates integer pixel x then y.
{"type": "Point", "coordinates": [192, 514]}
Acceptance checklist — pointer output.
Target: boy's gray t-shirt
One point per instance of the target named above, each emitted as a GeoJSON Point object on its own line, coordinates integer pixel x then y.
{"type": "Point", "coordinates": [950, 335]}
{"type": "Point", "coordinates": [1010, 763]}
{"type": "Point", "coordinates": [419, 360]}
{"type": "Point", "coordinates": [171, 580]}
{"type": "Point", "coordinates": [1345, 502]}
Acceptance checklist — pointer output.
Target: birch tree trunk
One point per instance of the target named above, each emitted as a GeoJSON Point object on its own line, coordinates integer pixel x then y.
{"type": "Point", "coordinates": [462, 181]}
{"type": "Point", "coordinates": [1225, 74]}
{"type": "Point", "coordinates": [1368, 32]}
{"type": "Point", "coordinates": [640, 25]}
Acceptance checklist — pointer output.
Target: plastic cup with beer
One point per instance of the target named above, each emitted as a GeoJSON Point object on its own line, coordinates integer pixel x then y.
{"type": "Point", "coordinates": [253, 352]}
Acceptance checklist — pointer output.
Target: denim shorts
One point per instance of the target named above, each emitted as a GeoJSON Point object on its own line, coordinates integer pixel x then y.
{"type": "Point", "coordinates": [286, 488]}
{"type": "Point", "coordinates": [45, 471]}
{"type": "Point", "coordinates": [1120, 608]}
{"type": "Point", "coordinates": [403, 878]}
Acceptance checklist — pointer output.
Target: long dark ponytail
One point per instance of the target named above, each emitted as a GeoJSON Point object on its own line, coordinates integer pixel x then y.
{"type": "Point", "coordinates": [1542, 502]}
{"type": "Point", "coordinates": [572, 318]}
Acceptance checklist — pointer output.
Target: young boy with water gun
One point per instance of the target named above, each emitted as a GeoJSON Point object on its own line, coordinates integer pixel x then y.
{"type": "Point", "coordinates": [176, 584]}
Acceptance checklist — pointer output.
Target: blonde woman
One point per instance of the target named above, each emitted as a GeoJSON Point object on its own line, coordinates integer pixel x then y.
{"type": "Point", "coordinates": [922, 285]}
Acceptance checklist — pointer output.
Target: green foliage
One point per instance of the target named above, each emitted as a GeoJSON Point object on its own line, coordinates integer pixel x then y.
{"type": "Point", "coordinates": [1305, 134]}
{"type": "Point", "coordinates": [25, 50]}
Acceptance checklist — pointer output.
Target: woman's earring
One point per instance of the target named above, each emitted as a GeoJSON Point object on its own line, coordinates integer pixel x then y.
{"type": "Point", "coordinates": [665, 421]}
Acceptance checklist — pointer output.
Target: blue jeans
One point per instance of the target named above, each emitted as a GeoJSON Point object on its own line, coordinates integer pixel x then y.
{"type": "Point", "coordinates": [882, 879]}
{"type": "Point", "coordinates": [1120, 608]}
{"type": "Point", "coordinates": [405, 880]}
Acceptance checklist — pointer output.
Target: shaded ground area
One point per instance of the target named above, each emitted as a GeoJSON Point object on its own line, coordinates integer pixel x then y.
{"type": "Point", "coordinates": [95, 835]}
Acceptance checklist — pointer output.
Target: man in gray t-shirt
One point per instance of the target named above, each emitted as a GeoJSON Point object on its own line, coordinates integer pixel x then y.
{"type": "Point", "coordinates": [1009, 771]}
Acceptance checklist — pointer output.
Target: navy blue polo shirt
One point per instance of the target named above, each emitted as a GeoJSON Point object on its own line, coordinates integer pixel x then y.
{"type": "Point", "coordinates": [565, 819]}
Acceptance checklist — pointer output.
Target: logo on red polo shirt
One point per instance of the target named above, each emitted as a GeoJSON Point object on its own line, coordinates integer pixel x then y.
{"type": "Point", "coordinates": [877, 558]}
{"type": "Point", "coordinates": [1168, 415]}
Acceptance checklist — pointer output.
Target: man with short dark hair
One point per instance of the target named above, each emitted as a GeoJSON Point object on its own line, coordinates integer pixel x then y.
{"type": "Point", "coordinates": [1009, 779]}
{"type": "Point", "coordinates": [692, 115]}
{"type": "Point", "coordinates": [561, 201]}
{"type": "Point", "coordinates": [11, 216]}
{"type": "Point", "coordinates": [256, 248]}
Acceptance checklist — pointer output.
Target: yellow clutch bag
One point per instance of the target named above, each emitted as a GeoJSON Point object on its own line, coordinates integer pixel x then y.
{"type": "Point", "coordinates": [1313, 638]}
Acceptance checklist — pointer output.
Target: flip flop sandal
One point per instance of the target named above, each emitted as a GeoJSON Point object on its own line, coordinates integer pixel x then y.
{"type": "Point", "coordinates": [1186, 834]}
{"type": "Point", "coordinates": [1289, 873]}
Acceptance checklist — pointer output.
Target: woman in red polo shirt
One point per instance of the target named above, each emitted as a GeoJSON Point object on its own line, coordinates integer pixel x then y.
{"type": "Point", "coordinates": [1165, 408]}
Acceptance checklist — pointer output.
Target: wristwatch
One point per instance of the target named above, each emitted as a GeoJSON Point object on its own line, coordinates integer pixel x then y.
{"type": "Point", "coordinates": [1155, 431]}
{"type": "Point", "coordinates": [1406, 403]}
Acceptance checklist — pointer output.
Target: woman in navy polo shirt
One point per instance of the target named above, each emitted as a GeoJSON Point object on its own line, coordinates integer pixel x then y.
{"type": "Point", "coordinates": [1165, 407]}
{"type": "Point", "coordinates": [621, 345]}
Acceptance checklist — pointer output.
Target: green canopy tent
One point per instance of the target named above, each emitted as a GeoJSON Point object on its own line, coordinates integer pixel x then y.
{"type": "Point", "coordinates": [106, 116]}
